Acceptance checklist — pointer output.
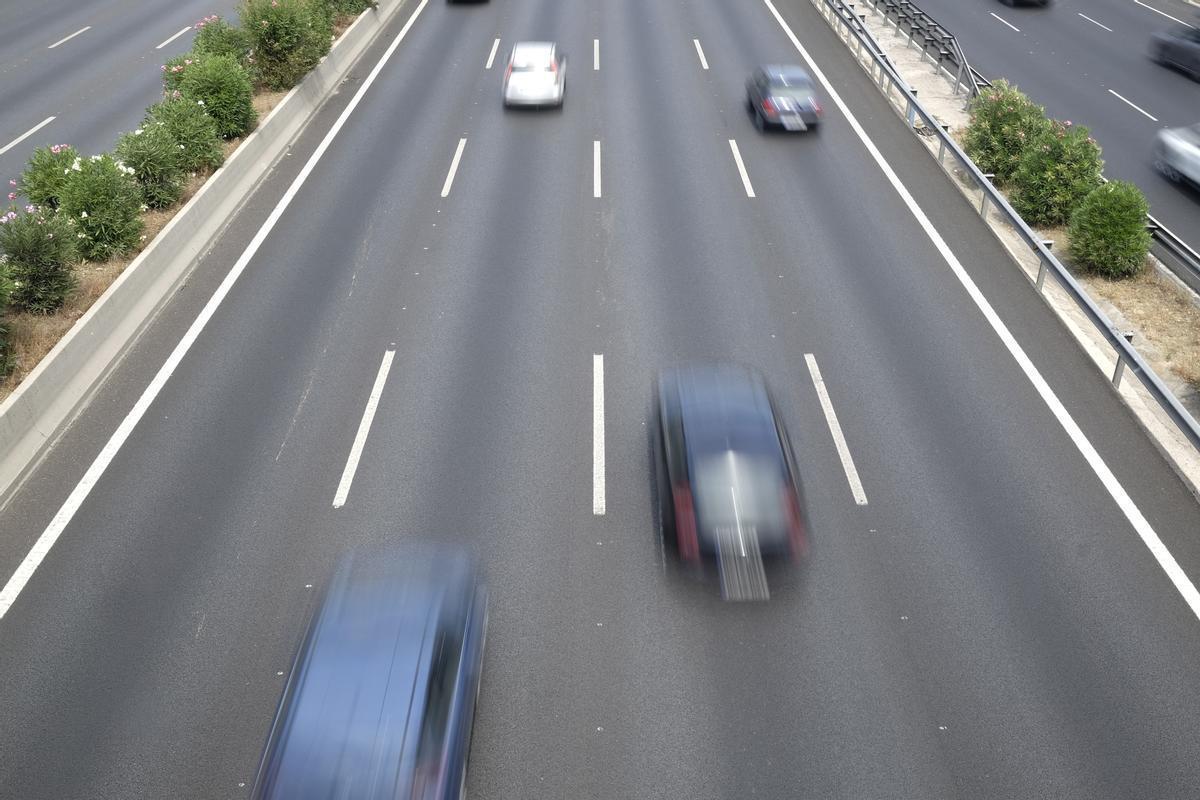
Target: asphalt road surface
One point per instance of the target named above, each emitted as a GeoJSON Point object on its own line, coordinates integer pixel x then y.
{"type": "Point", "coordinates": [1087, 61]}
{"type": "Point", "coordinates": [988, 623]}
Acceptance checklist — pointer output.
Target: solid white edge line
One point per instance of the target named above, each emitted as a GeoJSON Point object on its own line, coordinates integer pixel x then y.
{"type": "Point", "coordinates": [364, 428]}
{"type": "Point", "coordinates": [94, 472]}
{"type": "Point", "coordinates": [835, 429]}
{"type": "Point", "coordinates": [453, 167]}
{"type": "Point", "coordinates": [598, 434]}
{"type": "Point", "coordinates": [173, 38]}
{"type": "Point", "coordinates": [492, 55]}
{"type": "Point", "coordinates": [1135, 107]}
{"type": "Point", "coordinates": [26, 135]}
{"type": "Point", "coordinates": [1006, 22]}
{"type": "Point", "coordinates": [596, 168]}
{"type": "Point", "coordinates": [1165, 14]}
{"type": "Point", "coordinates": [1089, 19]}
{"type": "Point", "coordinates": [700, 52]}
{"type": "Point", "coordinates": [595, 54]}
{"type": "Point", "coordinates": [737, 157]}
{"type": "Point", "coordinates": [1132, 513]}
{"type": "Point", "coordinates": [69, 38]}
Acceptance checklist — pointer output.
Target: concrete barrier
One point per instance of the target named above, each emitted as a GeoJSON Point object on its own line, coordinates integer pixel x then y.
{"type": "Point", "coordinates": [33, 416]}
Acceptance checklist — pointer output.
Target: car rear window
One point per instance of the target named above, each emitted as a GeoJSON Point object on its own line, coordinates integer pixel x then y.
{"type": "Point", "coordinates": [735, 490]}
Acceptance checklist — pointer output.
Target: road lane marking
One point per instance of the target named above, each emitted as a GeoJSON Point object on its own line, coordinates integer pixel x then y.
{"type": "Point", "coordinates": [492, 55]}
{"type": "Point", "coordinates": [1006, 22]}
{"type": "Point", "coordinates": [1116, 491]}
{"type": "Point", "coordinates": [364, 428]}
{"type": "Point", "coordinates": [69, 38]}
{"type": "Point", "coordinates": [453, 167]}
{"type": "Point", "coordinates": [737, 157]}
{"type": "Point", "coordinates": [79, 494]}
{"type": "Point", "coordinates": [26, 135]}
{"type": "Point", "coordinates": [173, 38]}
{"type": "Point", "coordinates": [596, 168]}
{"type": "Point", "coordinates": [700, 52]}
{"type": "Point", "coordinates": [1089, 19]}
{"type": "Point", "coordinates": [595, 54]}
{"type": "Point", "coordinates": [1136, 108]}
{"type": "Point", "coordinates": [835, 428]}
{"type": "Point", "coordinates": [1165, 14]}
{"type": "Point", "coordinates": [598, 434]}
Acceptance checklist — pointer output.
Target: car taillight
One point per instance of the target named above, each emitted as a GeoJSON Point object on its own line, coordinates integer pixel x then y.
{"type": "Point", "coordinates": [768, 107]}
{"type": "Point", "coordinates": [507, 71]}
{"type": "Point", "coordinates": [554, 66]}
{"type": "Point", "coordinates": [685, 524]}
{"type": "Point", "coordinates": [816, 106]}
{"type": "Point", "coordinates": [797, 535]}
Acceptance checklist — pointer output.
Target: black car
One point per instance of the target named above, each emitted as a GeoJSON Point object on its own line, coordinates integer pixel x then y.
{"type": "Point", "coordinates": [783, 96]}
{"type": "Point", "coordinates": [1178, 48]}
{"type": "Point", "coordinates": [728, 487]}
{"type": "Point", "coordinates": [381, 697]}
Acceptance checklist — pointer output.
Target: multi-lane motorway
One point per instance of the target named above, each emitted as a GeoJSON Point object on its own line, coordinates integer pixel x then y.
{"type": "Point", "coordinates": [1089, 62]}
{"type": "Point", "coordinates": [986, 620]}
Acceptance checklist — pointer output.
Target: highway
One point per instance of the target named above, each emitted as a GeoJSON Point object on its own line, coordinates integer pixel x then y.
{"type": "Point", "coordinates": [988, 622]}
{"type": "Point", "coordinates": [83, 73]}
{"type": "Point", "coordinates": [1088, 62]}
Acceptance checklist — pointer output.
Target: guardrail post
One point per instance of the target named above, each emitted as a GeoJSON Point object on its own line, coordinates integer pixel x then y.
{"type": "Point", "coordinates": [1041, 278]}
{"type": "Point", "coordinates": [910, 112]}
{"type": "Point", "coordinates": [941, 152]}
{"type": "Point", "coordinates": [983, 202]}
{"type": "Point", "coordinates": [1119, 371]}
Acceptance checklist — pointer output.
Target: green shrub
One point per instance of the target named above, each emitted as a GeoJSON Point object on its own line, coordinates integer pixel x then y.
{"type": "Point", "coordinates": [174, 70]}
{"type": "Point", "coordinates": [40, 255]}
{"type": "Point", "coordinates": [102, 198]}
{"type": "Point", "coordinates": [157, 163]}
{"type": "Point", "coordinates": [43, 179]}
{"type": "Point", "coordinates": [288, 37]}
{"type": "Point", "coordinates": [223, 88]}
{"type": "Point", "coordinates": [1055, 174]}
{"type": "Point", "coordinates": [353, 7]}
{"type": "Point", "coordinates": [1004, 123]}
{"type": "Point", "coordinates": [8, 359]}
{"type": "Point", "coordinates": [1108, 230]}
{"type": "Point", "coordinates": [216, 37]}
{"type": "Point", "coordinates": [193, 131]}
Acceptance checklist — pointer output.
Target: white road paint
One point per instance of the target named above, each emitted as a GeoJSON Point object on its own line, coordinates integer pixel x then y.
{"type": "Point", "coordinates": [598, 434]}
{"type": "Point", "coordinates": [1116, 491]}
{"type": "Point", "coordinates": [1006, 22]}
{"type": "Point", "coordinates": [1136, 108]}
{"type": "Point", "coordinates": [835, 428]}
{"type": "Point", "coordinates": [700, 52]}
{"type": "Point", "coordinates": [596, 168]}
{"type": "Point", "coordinates": [1089, 19]}
{"type": "Point", "coordinates": [173, 38]}
{"type": "Point", "coordinates": [26, 135]}
{"type": "Point", "coordinates": [453, 167]}
{"type": "Point", "coordinates": [95, 471]}
{"type": "Point", "coordinates": [595, 54]}
{"type": "Point", "coordinates": [364, 428]}
{"type": "Point", "coordinates": [737, 157]}
{"type": "Point", "coordinates": [492, 55]}
{"type": "Point", "coordinates": [1163, 13]}
{"type": "Point", "coordinates": [69, 38]}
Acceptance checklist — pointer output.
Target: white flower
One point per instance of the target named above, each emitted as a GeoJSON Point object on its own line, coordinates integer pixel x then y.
{"type": "Point", "coordinates": [143, 207]}
{"type": "Point", "coordinates": [83, 215]}
{"type": "Point", "coordinates": [138, 132]}
{"type": "Point", "coordinates": [199, 102]}
{"type": "Point", "coordinates": [81, 235]}
{"type": "Point", "coordinates": [75, 166]}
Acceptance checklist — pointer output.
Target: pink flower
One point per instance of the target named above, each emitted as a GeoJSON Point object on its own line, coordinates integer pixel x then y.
{"type": "Point", "coordinates": [12, 182]}
{"type": "Point", "coordinates": [12, 195]}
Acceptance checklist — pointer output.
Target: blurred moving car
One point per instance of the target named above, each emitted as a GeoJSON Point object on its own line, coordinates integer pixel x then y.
{"type": "Point", "coordinates": [1178, 48]}
{"type": "Point", "coordinates": [1042, 3]}
{"type": "Point", "coordinates": [783, 96]}
{"type": "Point", "coordinates": [536, 75]}
{"type": "Point", "coordinates": [1177, 153]}
{"type": "Point", "coordinates": [727, 479]}
{"type": "Point", "coordinates": [381, 697]}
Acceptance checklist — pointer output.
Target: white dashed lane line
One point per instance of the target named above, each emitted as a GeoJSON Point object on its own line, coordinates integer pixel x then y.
{"type": "Point", "coordinates": [173, 38]}
{"type": "Point", "coordinates": [700, 52]}
{"type": "Point", "coordinates": [596, 168]}
{"type": "Point", "coordinates": [453, 167]}
{"type": "Point", "coordinates": [598, 434]}
{"type": "Point", "coordinates": [69, 38]}
{"type": "Point", "coordinates": [364, 428]}
{"type": "Point", "coordinates": [737, 158]}
{"type": "Point", "coordinates": [1136, 108]}
{"type": "Point", "coordinates": [595, 54]}
{"type": "Point", "coordinates": [1006, 22]}
{"type": "Point", "coordinates": [26, 135]}
{"type": "Point", "coordinates": [1089, 19]}
{"type": "Point", "coordinates": [1163, 13]}
{"type": "Point", "coordinates": [835, 429]}
{"type": "Point", "coordinates": [492, 55]}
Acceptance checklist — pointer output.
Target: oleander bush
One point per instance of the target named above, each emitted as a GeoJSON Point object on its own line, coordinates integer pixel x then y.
{"type": "Point", "coordinates": [174, 70]}
{"type": "Point", "coordinates": [288, 38]}
{"type": "Point", "coordinates": [223, 88]}
{"type": "Point", "coordinates": [1108, 230]}
{"type": "Point", "coordinates": [7, 359]}
{"type": "Point", "coordinates": [193, 131]}
{"type": "Point", "coordinates": [1055, 173]}
{"type": "Point", "coordinates": [218, 37]}
{"type": "Point", "coordinates": [1004, 123]}
{"type": "Point", "coordinates": [104, 202]}
{"type": "Point", "coordinates": [157, 163]}
{"type": "Point", "coordinates": [43, 179]}
{"type": "Point", "coordinates": [354, 7]}
{"type": "Point", "coordinates": [40, 254]}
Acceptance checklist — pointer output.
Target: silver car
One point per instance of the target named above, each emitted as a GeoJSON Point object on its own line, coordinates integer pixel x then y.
{"type": "Point", "coordinates": [1177, 153]}
{"type": "Point", "coordinates": [536, 75]}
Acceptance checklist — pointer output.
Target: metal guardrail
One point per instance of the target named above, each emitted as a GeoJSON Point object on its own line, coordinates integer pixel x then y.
{"type": "Point", "coordinates": [936, 40]}
{"type": "Point", "coordinates": [842, 17]}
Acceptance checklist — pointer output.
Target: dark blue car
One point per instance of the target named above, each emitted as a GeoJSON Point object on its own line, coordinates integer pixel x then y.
{"type": "Point", "coordinates": [381, 698]}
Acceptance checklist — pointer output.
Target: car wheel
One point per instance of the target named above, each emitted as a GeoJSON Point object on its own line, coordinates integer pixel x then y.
{"type": "Point", "coordinates": [760, 121]}
{"type": "Point", "coordinates": [749, 103]}
{"type": "Point", "coordinates": [1169, 172]}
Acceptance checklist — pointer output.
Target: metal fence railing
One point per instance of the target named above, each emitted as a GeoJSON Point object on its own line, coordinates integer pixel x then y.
{"type": "Point", "coordinates": [841, 16]}
{"type": "Point", "coordinates": [935, 41]}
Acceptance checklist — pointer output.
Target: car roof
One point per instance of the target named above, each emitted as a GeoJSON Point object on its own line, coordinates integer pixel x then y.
{"type": "Point", "coordinates": [787, 75]}
{"type": "Point", "coordinates": [532, 51]}
{"type": "Point", "coordinates": [357, 698]}
{"type": "Point", "coordinates": [724, 407]}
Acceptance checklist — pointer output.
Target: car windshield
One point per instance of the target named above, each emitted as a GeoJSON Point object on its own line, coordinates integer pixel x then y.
{"type": "Point", "coordinates": [739, 491]}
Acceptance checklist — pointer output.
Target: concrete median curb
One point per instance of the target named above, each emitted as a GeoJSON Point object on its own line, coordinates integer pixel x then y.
{"type": "Point", "coordinates": [33, 416]}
